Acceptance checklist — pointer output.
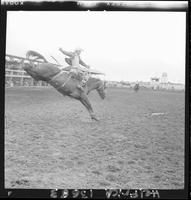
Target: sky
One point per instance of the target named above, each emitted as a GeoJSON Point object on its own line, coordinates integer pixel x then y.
{"type": "Point", "coordinates": [126, 46]}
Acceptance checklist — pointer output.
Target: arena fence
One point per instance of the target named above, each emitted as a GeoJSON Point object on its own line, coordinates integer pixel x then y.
{"type": "Point", "coordinates": [16, 76]}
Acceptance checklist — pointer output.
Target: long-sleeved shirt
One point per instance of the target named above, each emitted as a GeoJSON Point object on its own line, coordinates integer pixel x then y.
{"type": "Point", "coordinates": [75, 58]}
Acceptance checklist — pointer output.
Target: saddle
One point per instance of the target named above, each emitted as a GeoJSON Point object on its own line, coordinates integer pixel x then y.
{"type": "Point", "coordinates": [75, 73]}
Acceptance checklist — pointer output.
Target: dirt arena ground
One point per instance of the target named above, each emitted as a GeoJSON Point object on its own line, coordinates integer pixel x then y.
{"type": "Point", "coordinates": [50, 142]}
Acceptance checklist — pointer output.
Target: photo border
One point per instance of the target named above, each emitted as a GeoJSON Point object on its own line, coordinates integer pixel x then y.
{"type": "Point", "coordinates": [100, 6]}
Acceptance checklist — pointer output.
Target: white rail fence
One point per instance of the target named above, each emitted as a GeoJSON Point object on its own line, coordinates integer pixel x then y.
{"type": "Point", "coordinates": [15, 76]}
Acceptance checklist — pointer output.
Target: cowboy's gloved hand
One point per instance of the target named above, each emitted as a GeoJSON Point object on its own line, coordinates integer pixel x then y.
{"type": "Point", "coordinates": [60, 49]}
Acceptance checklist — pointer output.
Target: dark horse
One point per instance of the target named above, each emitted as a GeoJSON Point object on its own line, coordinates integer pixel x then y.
{"type": "Point", "coordinates": [66, 83]}
{"type": "Point", "coordinates": [136, 87]}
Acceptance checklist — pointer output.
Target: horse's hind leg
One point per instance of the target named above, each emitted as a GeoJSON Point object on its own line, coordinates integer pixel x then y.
{"type": "Point", "coordinates": [84, 100]}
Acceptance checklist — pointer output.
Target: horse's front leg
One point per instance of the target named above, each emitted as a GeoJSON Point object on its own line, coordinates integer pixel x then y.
{"type": "Point", "coordinates": [84, 100]}
{"type": "Point", "coordinates": [88, 91]}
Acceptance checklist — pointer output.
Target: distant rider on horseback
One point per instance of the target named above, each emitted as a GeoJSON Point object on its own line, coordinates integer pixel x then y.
{"type": "Point", "coordinates": [74, 61]}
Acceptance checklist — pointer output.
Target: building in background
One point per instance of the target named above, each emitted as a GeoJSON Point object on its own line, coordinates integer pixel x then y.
{"type": "Point", "coordinates": [155, 83]}
{"type": "Point", "coordinates": [16, 76]}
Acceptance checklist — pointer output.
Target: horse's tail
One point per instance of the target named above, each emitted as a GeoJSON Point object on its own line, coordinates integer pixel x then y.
{"type": "Point", "coordinates": [35, 56]}
{"type": "Point", "coordinates": [31, 57]}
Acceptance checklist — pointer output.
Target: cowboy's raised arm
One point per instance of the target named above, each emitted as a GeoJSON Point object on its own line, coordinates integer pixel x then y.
{"type": "Point", "coordinates": [66, 52]}
{"type": "Point", "coordinates": [84, 64]}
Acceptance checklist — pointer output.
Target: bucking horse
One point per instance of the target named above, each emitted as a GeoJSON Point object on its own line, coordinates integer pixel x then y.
{"type": "Point", "coordinates": [63, 81]}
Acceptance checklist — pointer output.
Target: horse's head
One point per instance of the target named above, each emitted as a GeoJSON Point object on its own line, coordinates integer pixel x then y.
{"type": "Point", "coordinates": [101, 89]}
{"type": "Point", "coordinates": [99, 85]}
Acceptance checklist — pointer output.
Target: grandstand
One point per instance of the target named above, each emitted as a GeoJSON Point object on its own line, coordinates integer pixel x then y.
{"type": "Point", "coordinates": [16, 76]}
